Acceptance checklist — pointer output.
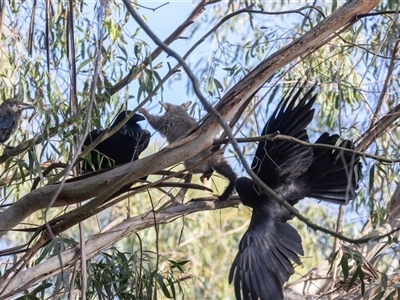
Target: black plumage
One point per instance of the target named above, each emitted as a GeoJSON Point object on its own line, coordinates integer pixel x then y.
{"type": "Point", "coordinates": [10, 115]}
{"type": "Point", "coordinates": [270, 245]}
{"type": "Point", "coordinates": [123, 146]}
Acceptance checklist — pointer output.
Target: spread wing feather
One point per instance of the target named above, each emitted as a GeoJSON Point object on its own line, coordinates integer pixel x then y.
{"type": "Point", "coordinates": [270, 245]}
{"type": "Point", "coordinates": [333, 175]}
{"type": "Point", "coordinates": [278, 161]}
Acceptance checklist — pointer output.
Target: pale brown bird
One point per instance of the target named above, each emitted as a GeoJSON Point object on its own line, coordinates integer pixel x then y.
{"type": "Point", "coordinates": [10, 115]}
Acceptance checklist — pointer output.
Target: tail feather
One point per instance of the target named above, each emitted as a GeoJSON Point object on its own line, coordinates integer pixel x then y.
{"type": "Point", "coordinates": [264, 261]}
{"type": "Point", "coordinates": [333, 176]}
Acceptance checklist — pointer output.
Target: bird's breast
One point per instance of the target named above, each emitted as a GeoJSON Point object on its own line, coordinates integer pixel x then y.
{"type": "Point", "coordinates": [291, 192]}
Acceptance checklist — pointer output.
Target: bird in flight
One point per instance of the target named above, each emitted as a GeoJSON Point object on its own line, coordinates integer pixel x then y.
{"type": "Point", "coordinates": [123, 146]}
{"type": "Point", "coordinates": [10, 115]}
{"type": "Point", "coordinates": [270, 245]}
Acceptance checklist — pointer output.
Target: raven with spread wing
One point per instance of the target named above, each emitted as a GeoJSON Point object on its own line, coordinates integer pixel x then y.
{"type": "Point", "coordinates": [123, 146]}
{"type": "Point", "coordinates": [270, 245]}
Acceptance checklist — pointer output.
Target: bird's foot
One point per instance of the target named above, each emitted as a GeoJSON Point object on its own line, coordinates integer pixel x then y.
{"type": "Point", "coordinates": [223, 197]}
{"type": "Point", "coordinates": [205, 177]}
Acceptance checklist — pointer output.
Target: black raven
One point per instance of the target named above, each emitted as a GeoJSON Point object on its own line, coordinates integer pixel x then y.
{"type": "Point", "coordinates": [10, 115]}
{"type": "Point", "coordinates": [123, 146]}
{"type": "Point", "coordinates": [270, 245]}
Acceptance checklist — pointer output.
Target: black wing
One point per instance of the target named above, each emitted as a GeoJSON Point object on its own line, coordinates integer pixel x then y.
{"type": "Point", "coordinates": [333, 175]}
{"type": "Point", "coordinates": [263, 263]}
{"type": "Point", "coordinates": [94, 134]}
{"type": "Point", "coordinates": [7, 120]}
{"type": "Point", "coordinates": [137, 137]}
{"type": "Point", "coordinates": [144, 141]}
{"type": "Point", "coordinates": [279, 161]}
{"type": "Point", "coordinates": [94, 155]}
{"type": "Point", "coordinates": [122, 147]}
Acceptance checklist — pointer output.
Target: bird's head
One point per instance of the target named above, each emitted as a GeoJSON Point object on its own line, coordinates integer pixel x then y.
{"type": "Point", "coordinates": [16, 105]}
{"type": "Point", "coordinates": [132, 121]}
{"type": "Point", "coordinates": [247, 192]}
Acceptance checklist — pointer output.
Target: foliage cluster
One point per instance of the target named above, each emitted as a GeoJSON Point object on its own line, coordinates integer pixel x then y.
{"type": "Point", "coordinates": [49, 57]}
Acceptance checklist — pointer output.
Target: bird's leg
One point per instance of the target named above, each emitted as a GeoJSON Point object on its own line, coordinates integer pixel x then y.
{"type": "Point", "coordinates": [223, 168]}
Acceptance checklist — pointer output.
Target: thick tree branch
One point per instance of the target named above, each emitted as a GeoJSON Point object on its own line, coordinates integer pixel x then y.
{"type": "Point", "coordinates": [104, 240]}
{"type": "Point", "coordinates": [251, 83]}
{"type": "Point", "coordinates": [198, 141]}
{"type": "Point", "coordinates": [190, 146]}
{"type": "Point", "coordinates": [33, 141]}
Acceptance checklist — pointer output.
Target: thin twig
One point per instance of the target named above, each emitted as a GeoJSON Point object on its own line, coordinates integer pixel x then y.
{"type": "Point", "coordinates": [195, 14]}
{"type": "Point", "coordinates": [225, 127]}
{"type": "Point", "coordinates": [282, 137]}
{"type": "Point", "coordinates": [337, 244]}
{"type": "Point", "coordinates": [383, 96]}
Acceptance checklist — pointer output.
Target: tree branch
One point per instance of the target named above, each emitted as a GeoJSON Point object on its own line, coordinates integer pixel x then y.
{"type": "Point", "coordinates": [182, 150]}
{"type": "Point", "coordinates": [104, 240]}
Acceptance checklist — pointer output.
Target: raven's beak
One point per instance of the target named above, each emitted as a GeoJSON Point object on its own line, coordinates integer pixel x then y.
{"type": "Point", "coordinates": [23, 106]}
{"type": "Point", "coordinates": [137, 118]}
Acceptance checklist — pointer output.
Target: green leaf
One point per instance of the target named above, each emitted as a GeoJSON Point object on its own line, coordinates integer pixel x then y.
{"type": "Point", "coordinates": [384, 281]}
{"type": "Point", "coordinates": [379, 296]}
{"type": "Point", "coordinates": [218, 85]}
{"type": "Point", "coordinates": [83, 64]}
{"type": "Point", "coordinates": [164, 288]}
{"type": "Point", "coordinates": [354, 277]}
{"type": "Point", "coordinates": [345, 267]}
{"type": "Point", "coordinates": [334, 5]}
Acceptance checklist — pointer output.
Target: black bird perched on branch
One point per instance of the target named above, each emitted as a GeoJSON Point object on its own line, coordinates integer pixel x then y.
{"type": "Point", "coordinates": [10, 115]}
{"type": "Point", "coordinates": [123, 146]}
{"type": "Point", "coordinates": [270, 245]}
